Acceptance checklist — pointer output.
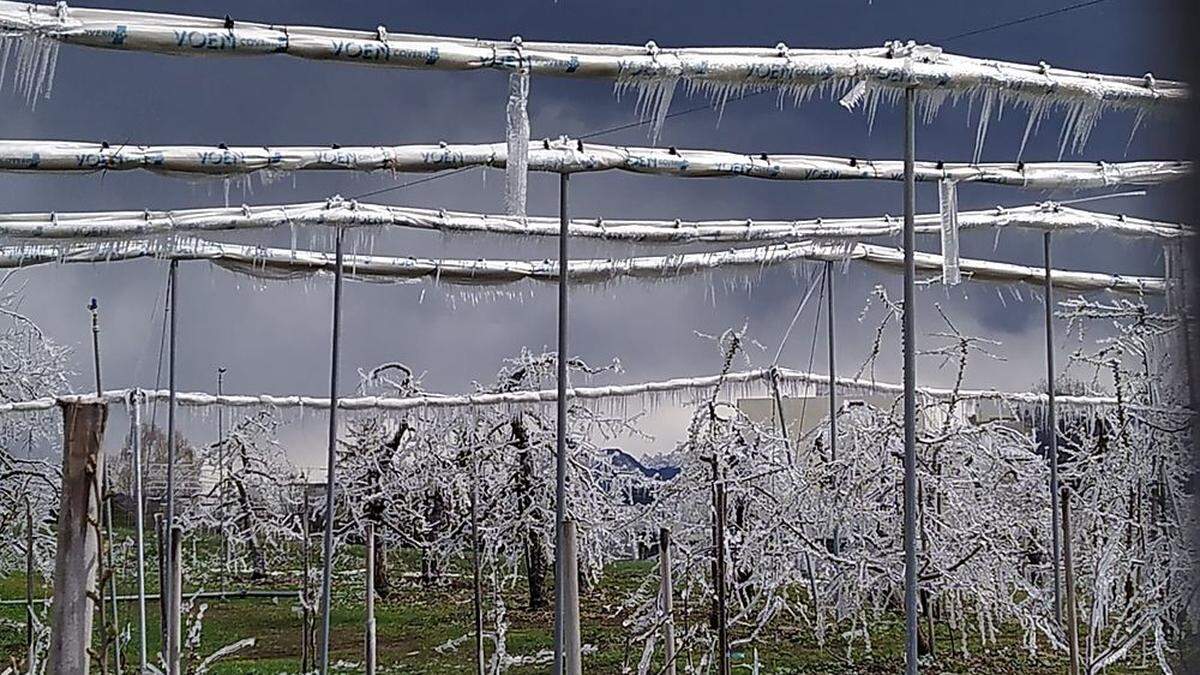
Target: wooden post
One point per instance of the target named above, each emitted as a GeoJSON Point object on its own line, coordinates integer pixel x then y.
{"type": "Point", "coordinates": [175, 602]}
{"type": "Point", "coordinates": [1069, 578]}
{"type": "Point", "coordinates": [306, 628]}
{"type": "Point", "coordinates": [78, 554]}
{"type": "Point", "coordinates": [477, 572]}
{"type": "Point", "coordinates": [572, 645]}
{"type": "Point", "coordinates": [720, 581]}
{"type": "Point", "coordinates": [666, 601]}
{"type": "Point", "coordinates": [370, 553]}
{"type": "Point", "coordinates": [28, 583]}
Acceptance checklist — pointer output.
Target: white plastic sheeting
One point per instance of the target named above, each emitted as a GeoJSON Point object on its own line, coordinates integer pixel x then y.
{"type": "Point", "coordinates": [564, 156]}
{"type": "Point", "coordinates": [701, 383]}
{"type": "Point", "coordinates": [277, 263]}
{"type": "Point", "coordinates": [115, 225]}
{"type": "Point", "coordinates": [720, 72]}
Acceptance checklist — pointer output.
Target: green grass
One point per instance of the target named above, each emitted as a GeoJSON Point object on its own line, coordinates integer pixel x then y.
{"type": "Point", "coordinates": [415, 620]}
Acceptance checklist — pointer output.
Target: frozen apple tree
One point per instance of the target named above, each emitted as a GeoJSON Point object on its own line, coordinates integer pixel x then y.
{"type": "Point", "coordinates": [252, 502]}
{"type": "Point", "coordinates": [32, 365]}
{"type": "Point", "coordinates": [814, 539]}
{"type": "Point", "coordinates": [1127, 475]}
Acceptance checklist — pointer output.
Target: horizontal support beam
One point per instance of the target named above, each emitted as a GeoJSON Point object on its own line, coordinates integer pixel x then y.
{"type": "Point", "coordinates": [338, 212]}
{"type": "Point", "coordinates": [280, 264]}
{"type": "Point", "coordinates": [799, 72]}
{"type": "Point", "coordinates": [703, 383]}
{"type": "Point", "coordinates": [563, 156]}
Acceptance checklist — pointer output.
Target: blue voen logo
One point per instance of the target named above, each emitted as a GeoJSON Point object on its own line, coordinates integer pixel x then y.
{"type": "Point", "coordinates": [119, 36]}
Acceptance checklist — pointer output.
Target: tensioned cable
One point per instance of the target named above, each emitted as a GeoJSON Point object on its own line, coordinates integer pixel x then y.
{"type": "Point", "coordinates": [1024, 19]}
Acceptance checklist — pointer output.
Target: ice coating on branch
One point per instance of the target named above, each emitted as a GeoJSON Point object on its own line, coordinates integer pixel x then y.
{"type": "Point", "coordinates": [948, 201]}
{"type": "Point", "coordinates": [516, 171]}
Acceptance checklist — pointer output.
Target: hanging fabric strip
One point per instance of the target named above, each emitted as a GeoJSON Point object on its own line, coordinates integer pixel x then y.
{"type": "Point", "coordinates": [516, 169]}
{"type": "Point", "coordinates": [948, 203]}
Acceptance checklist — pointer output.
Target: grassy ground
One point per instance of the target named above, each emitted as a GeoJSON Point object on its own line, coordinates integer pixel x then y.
{"type": "Point", "coordinates": [414, 621]}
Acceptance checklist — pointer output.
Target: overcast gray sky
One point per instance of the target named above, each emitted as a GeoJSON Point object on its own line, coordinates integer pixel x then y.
{"type": "Point", "coordinates": [275, 337]}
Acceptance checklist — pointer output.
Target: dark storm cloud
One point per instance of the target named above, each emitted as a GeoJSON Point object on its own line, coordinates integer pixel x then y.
{"type": "Point", "coordinates": [274, 337]}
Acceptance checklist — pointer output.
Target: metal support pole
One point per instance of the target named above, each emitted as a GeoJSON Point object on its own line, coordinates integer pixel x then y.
{"type": "Point", "coordinates": [169, 525]}
{"type": "Point", "coordinates": [331, 456]}
{"type": "Point", "coordinates": [221, 480]}
{"type": "Point", "coordinates": [1052, 439]}
{"type": "Point", "coordinates": [833, 404]}
{"type": "Point", "coordinates": [139, 515]}
{"type": "Point", "coordinates": [560, 491]}
{"type": "Point", "coordinates": [106, 496]}
{"type": "Point", "coordinates": [666, 600]}
{"type": "Point", "coordinates": [911, 614]}
{"type": "Point", "coordinates": [370, 627]}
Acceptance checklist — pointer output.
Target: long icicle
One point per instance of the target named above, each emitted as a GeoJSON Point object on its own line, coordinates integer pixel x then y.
{"type": "Point", "coordinates": [516, 170]}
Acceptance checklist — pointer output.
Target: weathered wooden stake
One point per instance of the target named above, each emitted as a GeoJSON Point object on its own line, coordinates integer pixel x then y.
{"type": "Point", "coordinates": [370, 553]}
{"type": "Point", "coordinates": [28, 583]}
{"type": "Point", "coordinates": [306, 629]}
{"type": "Point", "coordinates": [666, 601]}
{"type": "Point", "coordinates": [175, 602]}
{"type": "Point", "coordinates": [720, 581]}
{"type": "Point", "coordinates": [572, 645]}
{"type": "Point", "coordinates": [77, 556]}
{"type": "Point", "coordinates": [1069, 578]}
{"type": "Point", "coordinates": [477, 573]}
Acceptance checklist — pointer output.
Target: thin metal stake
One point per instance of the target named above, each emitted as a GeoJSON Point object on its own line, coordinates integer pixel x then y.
{"type": "Point", "coordinates": [168, 580]}
{"type": "Point", "coordinates": [833, 405]}
{"type": "Point", "coordinates": [106, 487]}
{"type": "Point", "coordinates": [140, 507]}
{"type": "Point", "coordinates": [331, 457]}
{"type": "Point", "coordinates": [911, 614]}
{"type": "Point", "coordinates": [221, 479]}
{"type": "Point", "coordinates": [560, 492]}
{"type": "Point", "coordinates": [1052, 426]}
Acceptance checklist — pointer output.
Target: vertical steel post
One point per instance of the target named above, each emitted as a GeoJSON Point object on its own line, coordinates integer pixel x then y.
{"type": "Point", "coordinates": [910, 387]}
{"type": "Point", "coordinates": [572, 647]}
{"type": "Point", "coordinates": [1052, 439]}
{"type": "Point", "coordinates": [106, 497]}
{"type": "Point", "coordinates": [166, 583]}
{"type": "Point", "coordinates": [221, 480]}
{"type": "Point", "coordinates": [560, 490]}
{"type": "Point", "coordinates": [833, 405]}
{"type": "Point", "coordinates": [331, 456]}
{"type": "Point", "coordinates": [135, 441]}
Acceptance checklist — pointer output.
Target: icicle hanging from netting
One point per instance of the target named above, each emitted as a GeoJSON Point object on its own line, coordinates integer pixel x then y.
{"type": "Point", "coordinates": [34, 57]}
{"type": "Point", "coordinates": [517, 132]}
{"type": "Point", "coordinates": [948, 203]}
